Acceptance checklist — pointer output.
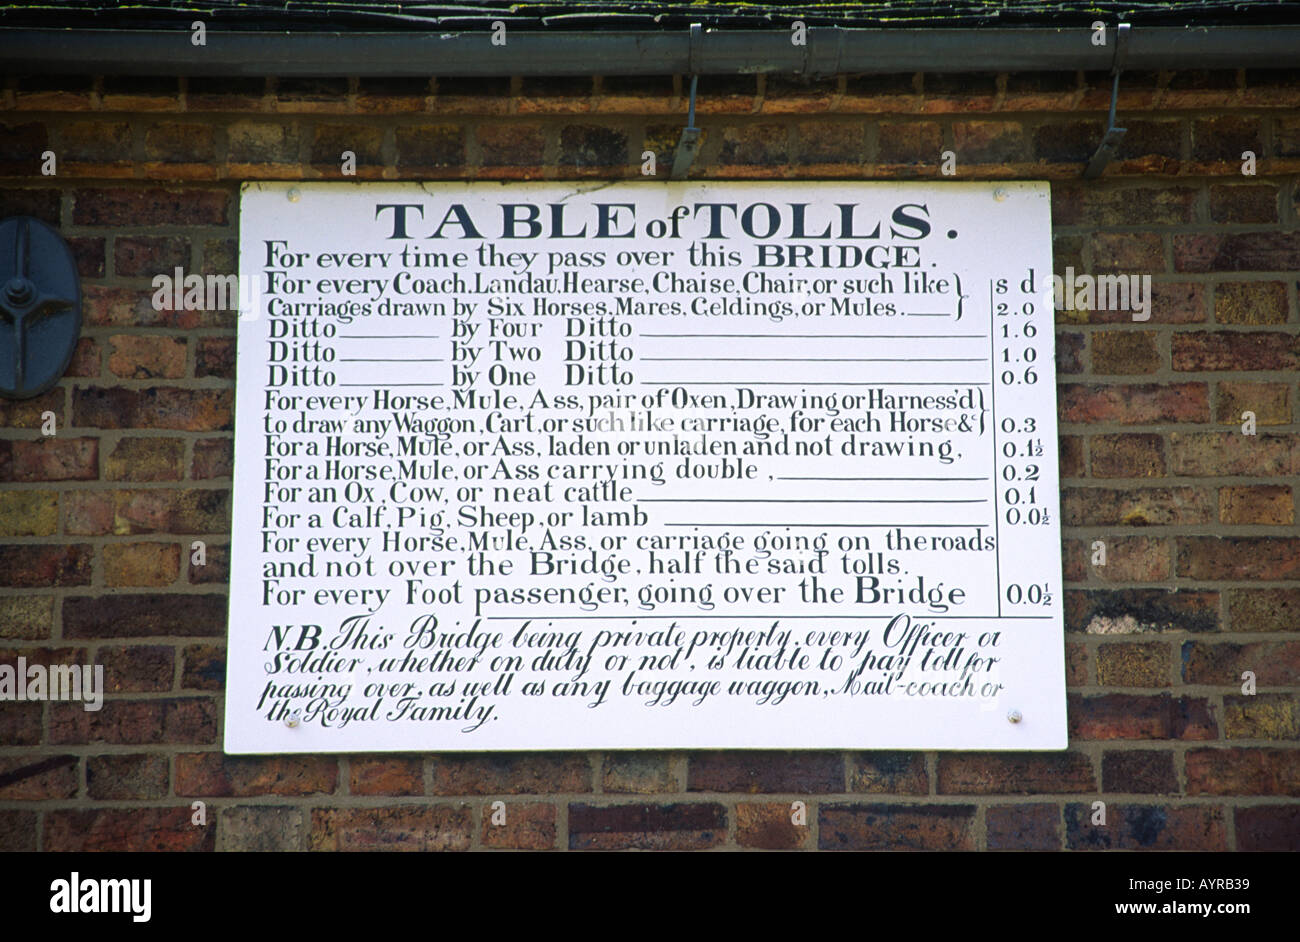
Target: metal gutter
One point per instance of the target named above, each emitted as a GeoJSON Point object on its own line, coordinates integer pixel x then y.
{"type": "Point", "coordinates": [829, 50]}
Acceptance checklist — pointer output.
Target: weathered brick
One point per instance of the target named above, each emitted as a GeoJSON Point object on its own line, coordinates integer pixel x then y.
{"type": "Point", "coordinates": [528, 825]}
{"type": "Point", "coordinates": [1243, 772]}
{"type": "Point", "coordinates": [216, 775]}
{"type": "Point", "coordinates": [1139, 772]}
{"type": "Point", "coordinates": [20, 723]}
{"type": "Point", "coordinates": [213, 458]}
{"type": "Point", "coordinates": [1243, 203]}
{"type": "Point", "coordinates": [1261, 716]}
{"type": "Point", "coordinates": [145, 459]}
{"type": "Point", "coordinates": [141, 564]}
{"type": "Point", "coordinates": [896, 827]}
{"type": "Point", "coordinates": [203, 667]}
{"type": "Point", "coordinates": [125, 777]}
{"type": "Point", "coordinates": [1014, 774]}
{"type": "Point", "coordinates": [1144, 664]}
{"type": "Point", "coordinates": [136, 722]}
{"type": "Point", "coordinates": [28, 513]}
{"type": "Point", "coordinates": [1132, 716]}
{"type": "Point", "coordinates": [131, 208]}
{"type": "Point", "coordinates": [331, 141]}
{"type": "Point", "coordinates": [87, 513]}
{"type": "Point", "coordinates": [140, 93]}
{"type": "Point", "coordinates": [49, 459]}
{"type": "Point", "coordinates": [177, 142]}
{"type": "Point", "coordinates": [162, 407]}
{"type": "Point", "coordinates": [137, 668]}
{"type": "Point", "coordinates": [1136, 507]}
{"type": "Point", "coordinates": [30, 566]}
{"type": "Point", "coordinates": [1237, 251]}
{"type": "Point", "coordinates": [1268, 828]}
{"type": "Point", "coordinates": [1125, 352]}
{"type": "Point", "coordinates": [29, 777]}
{"type": "Point", "coordinates": [1023, 827]}
{"type": "Point", "coordinates": [215, 356]}
{"type": "Point", "coordinates": [126, 829]}
{"type": "Point", "coordinates": [590, 146]}
{"type": "Point", "coordinates": [1129, 611]}
{"type": "Point", "coordinates": [1208, 557]}
{"type": "Point", "coordinates": [685, 826]}
{"type": "Point", "coordinates": [1146, 827]}
{"type": "Point", "coordinates": [430, 147]}
{"type": "Point", "coordinates": [512, 145]}
{"type": "Point", "coordinates": [260, 830]}
{"type": "Point", "coordinates": [1251, 302]}
{"type": "Point", "coordinates": [17, 831]}
{"type": "Point", "coordinates": [1214, 454]}
{"type": "Point", "coordinates": [770, 826]}
{"type": "Point", "coordinates": [1270, 504]}
{"type": "Point", "coordinates": [995, 142]}
{"type": "Point", "coordinates": [26, 616]}
{"type": "Point", "coordinates": [148, 256]}
{"type": "Point", "coordinates": [1263, 609]}
{"type": "Point", "coordinates": [912, 142]}
{"type": "Point", "coordinates": [1223, 138]}
{"type": "Point", "coordinates": [1140, 253]}
{"type": "Point", "coordinates": [143, 615]}
{"type": "Point", "coordinates": [1127, 456]}
{"type": "Point", "coordinates": [1130, 404]}
{"type": "Point", "coordinates": [1197, 351]}
{"type": "Point", "coordinates": [797, 772]}
{"type": "Point", "coordinates": [505, 774]}
{"type": "Point", "coordinates": [198, 510]}
{"type": "Point", "coordinates": [881, 773]}
{"type": "Point", "coordinates": [1269, 402]}
{"type": "Point", "coordinates": [754, 145]}
{"type": "Point", "coordinates": [135, 356]}
{"type": "Point", "coordinates": [1274, 663]}
{"type": "Point", "coordinates": [106, 144]}
{"type": "Point", "coordinates": [386, 775]}
{"type": "Point", "coordinates": [638, 773]}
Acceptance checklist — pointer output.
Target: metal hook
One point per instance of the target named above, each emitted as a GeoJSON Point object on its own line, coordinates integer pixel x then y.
{"type": "Point", "coordinates": [1114, 136]}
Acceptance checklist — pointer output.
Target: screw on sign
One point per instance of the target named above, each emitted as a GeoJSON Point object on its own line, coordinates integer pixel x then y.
{"type": "Point", "coordinates": [40, 307]}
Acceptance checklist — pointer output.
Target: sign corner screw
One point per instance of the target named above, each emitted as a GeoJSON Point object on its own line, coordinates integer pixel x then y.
{"type": "Point", "coordinates": [1014, 716]}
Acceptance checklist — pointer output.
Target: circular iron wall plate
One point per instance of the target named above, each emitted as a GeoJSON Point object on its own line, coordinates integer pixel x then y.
{"type": "Point", "coordinates": [40, 307]}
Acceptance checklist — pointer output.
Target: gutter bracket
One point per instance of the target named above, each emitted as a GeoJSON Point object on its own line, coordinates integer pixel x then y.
{"type": "Point", "coordinates": [689, 145]}
{"type": "Point", "coordinates": [1114, 136]}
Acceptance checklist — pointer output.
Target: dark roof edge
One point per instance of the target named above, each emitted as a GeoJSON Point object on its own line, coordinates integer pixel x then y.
{"type": "Point", "coordinates": [829, 51]}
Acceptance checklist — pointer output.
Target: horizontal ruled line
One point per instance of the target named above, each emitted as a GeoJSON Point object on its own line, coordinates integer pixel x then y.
{"type": "Point", "coordinates": [828, 336]}
{"type": "Point", "coordinates": [384, 385]}
{"type": "Point", "coordinates": [815, 359]}
{"type": "Point", "coordinates": [388, 360]}
{"type": "Point", "coordinates": [797, 500]}
{"type": "Point", "coordinates": [912, 525]}
{"type": "Point", "coordinates": [389, 337]}
{"type": "Point", "coordinates": [741, 382]}
{"type": "Point", "coordinates": [876, 479]}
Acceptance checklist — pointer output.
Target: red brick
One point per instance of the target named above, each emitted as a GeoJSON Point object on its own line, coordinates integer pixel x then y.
{"type": "Point", "coordinates": [1136, 507]}
{"type": "Point", "coordinates": [896, 827]}
{"type": "Point", "coordinates": [1127, 456]}
{"type": "Point", "coordinates": [145, 459]}
{"type": "Point", "coordinates": [1268, 828]}
{"type": "Point", "coordinates": [36, 778]}
{"type": "Point", "coordinates": [20, 723]}
{"type": "Point", "coordinates": [136, 722]}
{"type": "Point", "coordinates": [203, 667]}
{"type": "Point", "coordinates": [1237, 251]}
{"type": "Point", "coordinates": [213, 774]}
{"type": "Point", "coordinates": [1200, 351]}
{"type": "Point", "coordinates": [386, 775]}
{"type": "Point", "coordinates": [49, 459]}
{"type": "Point", "coordinates": [1270, 403]}
{"type": "Point", "coordinates": [215, 356]}
{"type": "Point", "coordinates": [1139, 772]}
{"type": "Point", "coordinates": [137, 668]}
{"type": "Point", "coordinates": [1127, 252]}
{"type": "Point", "coordinates": [131, 208]}
{"type": "Point", "coordinates": [505, 774]}
{"type": "Point", "coordinates": [138, 615]}
{"type": "Point", "coordinates": [17, 831]}
{"type": "Point", "coordinates": [1131, 716]}
{"type": "Point", "coordinates": [1243, 772]}
{"type": "Point", "coordinates": [1243, 203]}
{"type": "Point", "coordinates": [1129, 404]}
{"type": "Point", "coordinates": [150, 255]}
{"type": "Point", "coordinates": [134, 776]}
{"type": "Point", "coordinates": [528, 826]}
{"type": "Point", "coordinates": [1005, 774]}
{"type": "Point", "coordinates": [141, 564]}
{"type": "Point", "coordinates": [31, 565]}
{"type": "Point", "coordinates": [174, 142]}
{"type": "Point", "coordinates": [771, 826]}
{"type": "Point", "coordinates": [1146, 827]}
{"type": "Point", "coordinates": [122, 829]}
{"type": "Point", "coordinates": [397, 827]}
{"type": "Point", "coordinates": [1125, 352]}
{"type": "Point", "coordinates": [691, 826]}
{"type": "Point", "coordinates": [512, 145]}
{"type": "Point", "coordinates": [330, 141]}
{"type": "Point", "coordinates": [1215, 454]}
{"type": "Point", "coordinates": [213, 458]}
{"type": "Point", "coordinates": [192, 410]}
{"type": "Point", "coordinates": [913, 142]}
{"type": "Point", "coordinates": [1274, 663]}
{"type": "Point", "coordinates": [1270, 504]}
{"type": "Point", "coordinates": [87, 513]}
{"type": "Point", "coordinates": [1207, 557]}
{"type": "Point", "coordinates": [198, 510]}
{"type": "Point", "coordinates": [797, 772]}
{"type": "Point", "coordinates": [1023, 827]}
{"type": "Point", "coordinates": [881, 773]}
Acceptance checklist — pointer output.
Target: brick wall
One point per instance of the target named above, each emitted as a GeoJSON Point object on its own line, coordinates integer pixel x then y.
{"type": "Point", "coordinates": [1202, 580]}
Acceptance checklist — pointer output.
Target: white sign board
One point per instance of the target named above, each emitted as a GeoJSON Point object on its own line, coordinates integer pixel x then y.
{"type": "Point", "coordinates": [635, 465]}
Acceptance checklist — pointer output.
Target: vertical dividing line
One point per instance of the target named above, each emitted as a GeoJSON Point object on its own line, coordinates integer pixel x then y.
{"type": "Point", "coordinates": [993, 407]}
